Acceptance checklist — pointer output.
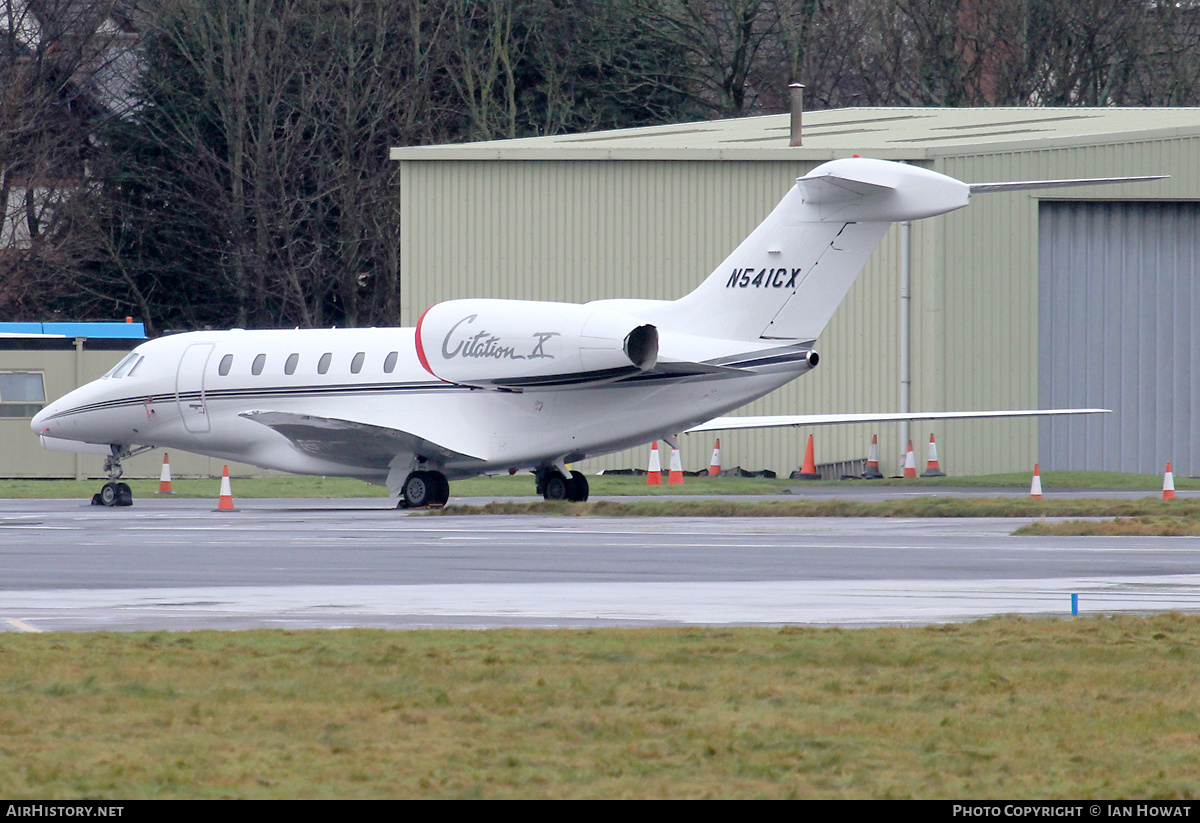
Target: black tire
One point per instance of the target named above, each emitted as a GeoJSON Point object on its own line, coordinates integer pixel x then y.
{"type": "Point", "coordinates": [557, 487]}
{"type": "Point", "coordinates": [109, 494]}
{"type": "Point", "coordinates": [124, 495]}
{"type": "Point", "coordinates": [418, 490]}
{"type": "Point", "coordinates": [579, 488]}
{"type": "Point", "coordinates": [441, 488]}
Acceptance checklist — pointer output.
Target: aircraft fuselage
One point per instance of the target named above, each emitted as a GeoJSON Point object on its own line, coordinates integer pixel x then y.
{"type": "Point", "coordinates": [198, 392]}
{"type": "Point", "coordinates": [485, 385]}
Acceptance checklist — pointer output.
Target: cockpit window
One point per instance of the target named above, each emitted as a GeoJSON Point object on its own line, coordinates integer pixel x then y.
{"type": "Point", "coordinates": [126, 366]}
{"type": "Point", "coordinates": [133, 369]}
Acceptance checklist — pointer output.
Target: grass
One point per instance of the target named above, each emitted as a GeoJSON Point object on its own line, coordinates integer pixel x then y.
{"type": "Point", "coordinates": [1010, 707]}
{"type": "Point", "coordinates": [1184, 524]}
{"type": "Point", "coordinates": [918, 507]}
{"type": "Point", "coordinates": [522, 485]}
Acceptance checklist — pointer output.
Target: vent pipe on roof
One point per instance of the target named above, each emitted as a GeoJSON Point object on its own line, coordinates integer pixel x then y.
{"type": "Point", "coordinates": [797, 95]}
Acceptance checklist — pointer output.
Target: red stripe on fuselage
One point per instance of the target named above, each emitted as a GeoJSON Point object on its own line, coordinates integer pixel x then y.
{"type": "Point", "coordinates": [420, 346]}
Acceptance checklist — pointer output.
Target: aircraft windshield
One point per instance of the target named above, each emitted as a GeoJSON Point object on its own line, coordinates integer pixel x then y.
{"type": "Point", "coordinates": [126, 366]}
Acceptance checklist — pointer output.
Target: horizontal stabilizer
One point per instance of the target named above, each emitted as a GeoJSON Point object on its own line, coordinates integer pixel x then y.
{"type": "Point", "coordinates": [784, 420]}
{"type": "Point", "coordinates": [836, 188]}
{"type": "Point", "coordinates": [1058, 184]}
{"type": "Point", "coordinates": [350, 442]}
{"type": "Point", "coordinates": [860, 190]}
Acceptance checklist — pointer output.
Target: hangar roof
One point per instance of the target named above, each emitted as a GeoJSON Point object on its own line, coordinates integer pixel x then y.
{"type": "Point", "coordinates": [887, 133]}
{"type": "Point", "coordinates": [106, 331]}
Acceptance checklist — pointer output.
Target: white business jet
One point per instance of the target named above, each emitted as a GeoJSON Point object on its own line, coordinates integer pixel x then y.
{"type": "Point", "coordinates": [489, 386]}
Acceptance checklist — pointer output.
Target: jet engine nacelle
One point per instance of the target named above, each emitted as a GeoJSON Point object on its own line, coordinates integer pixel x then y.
{"type": "Point", "coordinates": [520, 344]}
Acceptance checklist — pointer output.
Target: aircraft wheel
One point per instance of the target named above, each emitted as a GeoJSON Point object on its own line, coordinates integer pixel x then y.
{"type": "Point", "coordinates": [109, 494]}
{"type": "Point", "coordinates": [441, 488]}
{"type": "Point", "coordinates": [579, 488]}
{"type": "Point", "coordinates": [557, 487]}
{"type": "Point", "coordinates": [418, 490]}
{"type": "Point", "coordinates": [124, 495]}
{"type": "Point", "coordinates": [426, 488]}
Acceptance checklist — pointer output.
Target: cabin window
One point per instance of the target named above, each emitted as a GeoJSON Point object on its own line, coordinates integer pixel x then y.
{"type": "Point", "coordinates": [323, 363]}
{"type": "Point", "coordinates": [256, 367]}
{"type": "Point", "coordinates": [22, 394]}
{"type": "Point", "coordinates": [357, 363]}
{"type": "Point", "coordinates": [226, 365]}
{"type": "Point", "coordinates": [389, 363]}
{"type": "Point", "coordinates": [290, 366]}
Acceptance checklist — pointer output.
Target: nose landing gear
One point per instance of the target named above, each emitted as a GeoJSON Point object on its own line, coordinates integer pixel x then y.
{"type": "Point", "coordinates": [114, 493]}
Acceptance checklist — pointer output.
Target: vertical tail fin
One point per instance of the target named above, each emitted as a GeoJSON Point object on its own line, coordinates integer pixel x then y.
{"type": "Point", "coordinates": [788, 277]}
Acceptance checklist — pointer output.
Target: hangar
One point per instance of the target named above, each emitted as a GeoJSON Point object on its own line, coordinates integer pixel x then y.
{"type": "Point", "coordinates": [1054, 298]}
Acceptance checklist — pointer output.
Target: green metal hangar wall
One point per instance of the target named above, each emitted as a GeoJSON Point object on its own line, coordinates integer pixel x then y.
{"type": "Point", "coordinates": [1064, 297]}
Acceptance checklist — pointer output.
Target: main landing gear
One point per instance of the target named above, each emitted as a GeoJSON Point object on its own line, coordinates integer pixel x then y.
{"type": "Point", "coordinates": [424, 489]}
{"type": "Point", "coordinates": [551, 485]}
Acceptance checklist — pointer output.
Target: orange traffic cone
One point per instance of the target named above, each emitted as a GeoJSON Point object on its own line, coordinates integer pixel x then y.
{"type": "Point", "coordinates": [714, 466]}
{"type": "Point", "coordinates": [931, 465]}
{"type": "Point", "coordinates": [675, 477]}
{"type": "Point", "coordinates": [654, 472]}
{"type": "Point", "coordinates": [1168, 483]}
{"type": "Point", "coordinates": [872, 471]}
{"type": "Point", "coordinates": [1035, 488]}
{"type": "Point", "coordinates": [164, 479]}
{"type": "Point", "coordinates": [809, 470]}
{"type": "Point", "coordinates": [910, 463]}
{"type": "Point", "coordinates": [225, 503]}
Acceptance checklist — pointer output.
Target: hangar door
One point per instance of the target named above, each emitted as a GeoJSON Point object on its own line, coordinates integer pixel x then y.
{"type": "Point", "coordinates": [1119, 328]}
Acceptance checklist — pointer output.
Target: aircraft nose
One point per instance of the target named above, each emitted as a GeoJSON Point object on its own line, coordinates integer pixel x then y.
{"type": "Point", "coordinates": [39, 420]}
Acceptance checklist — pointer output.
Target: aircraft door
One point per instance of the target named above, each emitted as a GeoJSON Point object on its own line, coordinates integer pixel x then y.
{"type": "Point", "coordinates": [189, 387]}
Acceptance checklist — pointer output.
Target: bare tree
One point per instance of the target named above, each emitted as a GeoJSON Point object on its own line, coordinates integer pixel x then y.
{"type": "Point", "coordinates": [245, 177]}
{"type": "Point", "coordinates": [723, 39]}
{"type": "Point", "coordinates": [263, 131]}
{"type": "Point", "coordinates": [62, 65]}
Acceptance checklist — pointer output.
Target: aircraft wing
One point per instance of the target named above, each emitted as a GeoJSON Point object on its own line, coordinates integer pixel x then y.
{"type": "Point", "coordinates": [351, 442]}
{"type": "Point", "coordinates": [784, 420]}
{"type": "Point", "coordinates": [688, 369]}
